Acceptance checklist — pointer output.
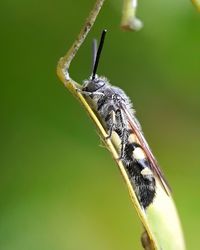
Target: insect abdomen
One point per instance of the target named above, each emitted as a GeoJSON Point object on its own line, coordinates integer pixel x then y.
{"type": "Point", "coordinates": [138, 169]}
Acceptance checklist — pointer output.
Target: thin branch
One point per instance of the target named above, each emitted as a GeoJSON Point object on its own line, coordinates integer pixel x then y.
{"type": "Point", "coordinates": [65, 61]}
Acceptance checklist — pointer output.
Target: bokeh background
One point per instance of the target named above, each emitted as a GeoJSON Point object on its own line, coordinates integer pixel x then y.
{"type": "Point", "coordinates": [58, 188]}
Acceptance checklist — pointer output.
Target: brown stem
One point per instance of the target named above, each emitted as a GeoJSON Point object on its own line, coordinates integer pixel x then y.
{"type": "Point", "coordinates": [65, 61]}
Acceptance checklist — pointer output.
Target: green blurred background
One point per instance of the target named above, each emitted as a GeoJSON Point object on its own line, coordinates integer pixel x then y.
{"type": "Point", "coordinates": [58, 188]}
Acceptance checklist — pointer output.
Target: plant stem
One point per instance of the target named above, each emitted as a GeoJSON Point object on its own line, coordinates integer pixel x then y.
{"type": "Point", "coordinates": [129, 20]}
{"type": "Point", "coordinates": [65, 61]}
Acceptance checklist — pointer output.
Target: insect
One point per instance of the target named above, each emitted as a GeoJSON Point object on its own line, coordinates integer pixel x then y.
{"type": "Point", "coordinates": [114, 109]}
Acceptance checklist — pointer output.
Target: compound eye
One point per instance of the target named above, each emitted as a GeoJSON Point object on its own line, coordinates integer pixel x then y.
{"type": "Point", "coordinates": [91, 86]}
{"type": "Point", "coordinates": [96, 84]}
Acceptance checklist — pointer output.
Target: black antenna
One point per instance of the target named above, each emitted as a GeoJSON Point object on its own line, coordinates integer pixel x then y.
{"type": "Point", "coordinates": [97, 57]}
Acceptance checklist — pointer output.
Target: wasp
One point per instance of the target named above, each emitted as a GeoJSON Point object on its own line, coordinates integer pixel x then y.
{"type": "Point", "coordinates": [115, 111]}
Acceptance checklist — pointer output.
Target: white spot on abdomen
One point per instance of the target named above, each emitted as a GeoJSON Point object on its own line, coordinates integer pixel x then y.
{"type": "Point", "coordinates": [139, 154]}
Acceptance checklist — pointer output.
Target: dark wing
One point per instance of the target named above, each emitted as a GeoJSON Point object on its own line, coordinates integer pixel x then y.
{"type": "Point", "coordinates": [137, 131]}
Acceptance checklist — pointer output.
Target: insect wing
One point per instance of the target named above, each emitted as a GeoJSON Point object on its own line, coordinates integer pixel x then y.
{"type": "Point", "coordinates": [137, 131]}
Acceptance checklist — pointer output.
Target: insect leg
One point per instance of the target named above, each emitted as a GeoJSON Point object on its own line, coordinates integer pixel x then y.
{"type": "Point", "coordinates": [124, 139]}
{"type": "Point", "coordinates": [111, 120]}
{"type": "Point", "coordinates": [88, 93]}
{"type": "Point", "coordinates": [122, 131]}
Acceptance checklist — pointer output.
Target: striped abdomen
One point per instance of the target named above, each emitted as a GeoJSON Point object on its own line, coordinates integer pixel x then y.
{"type": "Point", "coordinates": [138, 169]}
